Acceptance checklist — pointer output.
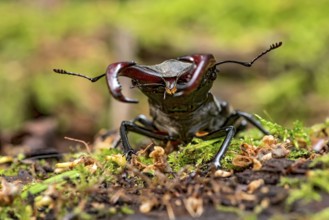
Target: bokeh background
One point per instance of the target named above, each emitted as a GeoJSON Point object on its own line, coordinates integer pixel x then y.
{"type": "Point", "coordinates": [290, 83]}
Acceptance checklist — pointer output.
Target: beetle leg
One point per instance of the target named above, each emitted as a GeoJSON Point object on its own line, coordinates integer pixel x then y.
{"type": "Point", "coordinates": [226, 109]}
{"type": "Point", "coordinates": [232, 119]}
{"type": "Point", "coordinates": [142, 120]}
{"type": "Point", "coordinates": [248, 117]}
{"type": "Point", "coordinates": [241, 126]}
{"type": "Point", "coordinates": [229, 133]}
{"type": "Point", "coordinates": [228, 130]}
{"type": "Point", "coordinates": [127, 126]}
{"type": "Point", "coordinates": [145, 122]}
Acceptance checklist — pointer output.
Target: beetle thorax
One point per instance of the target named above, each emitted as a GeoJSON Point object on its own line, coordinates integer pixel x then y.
{"type": "Point", "coordinates": [171, 103]}
{"type": "Point", "coordinates": [186, 123]}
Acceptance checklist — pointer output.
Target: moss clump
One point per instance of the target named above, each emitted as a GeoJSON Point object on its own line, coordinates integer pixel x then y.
{"type": "Point", "coordinates": [323, 161]}
{"type": "Point", "coordinates": [199, 152]}
{"type": "Point", "coordinates": [297, 153]}
{"type": "Point", "coordinates": [36, 188]}
{"type": "Point", "coordinates": [307, 190]}
{"type": "Point", "coordinates": [298, 134]}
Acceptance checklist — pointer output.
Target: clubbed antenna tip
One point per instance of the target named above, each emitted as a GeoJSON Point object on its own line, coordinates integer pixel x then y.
{"type": "Point", "coordinates": [275, 45]}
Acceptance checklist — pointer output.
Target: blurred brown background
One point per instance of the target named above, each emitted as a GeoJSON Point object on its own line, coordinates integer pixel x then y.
{"type": "Point", "coordinates": [288, 84]}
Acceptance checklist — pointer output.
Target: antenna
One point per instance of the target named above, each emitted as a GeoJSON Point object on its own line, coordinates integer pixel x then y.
{"type": "Point", "coordinates": [249, 64]}
{"type": "Point", "coordinates": [94, 79]}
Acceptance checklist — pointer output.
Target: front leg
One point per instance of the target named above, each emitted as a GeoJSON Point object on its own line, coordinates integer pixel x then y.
{"type": "Point", "coordinates": [127, 126]}
{"type": "Point", "coordinates": [227, 132]}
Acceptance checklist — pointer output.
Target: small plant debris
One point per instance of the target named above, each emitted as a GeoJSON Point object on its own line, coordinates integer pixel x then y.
{"type": "Point", "coordinates": [283, 174]}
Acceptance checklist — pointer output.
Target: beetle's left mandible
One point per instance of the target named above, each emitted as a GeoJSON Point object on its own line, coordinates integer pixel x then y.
{"type": "Point", "coordinates": [112, 73]}
{"type": "Point", "coordinates": [202, 63]}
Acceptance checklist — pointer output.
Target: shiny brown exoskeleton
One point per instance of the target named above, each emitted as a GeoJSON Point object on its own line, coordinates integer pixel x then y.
{"type": "Point", "coordinates": [181, 106]}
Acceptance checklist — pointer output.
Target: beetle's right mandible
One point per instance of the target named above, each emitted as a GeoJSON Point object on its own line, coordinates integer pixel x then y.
{"type": "Point", "coordinates": [113, 71]}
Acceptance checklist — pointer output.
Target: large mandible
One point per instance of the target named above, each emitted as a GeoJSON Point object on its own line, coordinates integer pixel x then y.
{"type": "Point", "coordinates": [202, 63]}
{"type": "Point", "coordinates": [112, 72]}
{"type": "Point", "coordinates": [132, 71]}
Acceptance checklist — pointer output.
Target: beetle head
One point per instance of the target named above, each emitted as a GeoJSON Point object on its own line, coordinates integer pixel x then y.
{"type": "Point", "coordinates": [170, 71]}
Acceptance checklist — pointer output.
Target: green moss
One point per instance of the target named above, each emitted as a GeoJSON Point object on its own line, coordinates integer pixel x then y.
{"type": "Point", "coordinates": [101, 155]}
{"type": "Point", "coordinates": [126, 210]}
{"type": "Point", "coordinates": [145, 160]}
{"type": "Point", "coordinates": [14, 168]}
{"type": "Point", "coordinates": [233, 150]}
{"type": "Point", "coordinates": [19, 209]}
{"type": "Point", "coordinates": [57, 179]}
{"type": "Point", "coordinates": [320, 127]}
{"type": "Point", "coordinates": [197, 152]}
{"type": "Point", "coordinates": [238, 212]}
{"type": "Point", "coordinates": [323, 214]}
{"type": "Point", "coordinates": [297, 134]}
{"type": "Point", "coordinates": [297, 153]}
{"type": "Point", "coordinates": [307, 190]}
{"type": "Point", "coordinates": [305, 193]}
{"type": "Point", "coordinates": [323, 160]}
{"type": "Point", "coordinates": [291, 182]}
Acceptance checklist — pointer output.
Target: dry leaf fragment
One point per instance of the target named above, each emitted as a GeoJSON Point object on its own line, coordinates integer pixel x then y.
{"type": "Point", "coordinates": [247, 197]}
{"type": "Point", "coordinates": [257, 165]}
{"type": "Point", "coordinates": [320, 145]}
{"type": "Point", "coordinates": [269, 140]}
{"type": "Point", "coordinates": [159, 159]}
{"type": "Point", "coordinates": [118, 159]}
{"type": "Point", "coordinates": [157, 153]}
{"type": "Point", "coordinates": [266, 157]}
{"type": "Point", "coordinates": [223, 173]}
{"type": "Point", "coordinates": [242, 161]}
{"type": "Point", "coordinates": [147, 205]}
{"type": "Point", "coordinates": [6, 159]}
{"type": "Point", "coordinates": [279, 151]}
{"type": "Point", "coordinates": [194, 206]}
{"type": "Point", "coordinates": [92, 168]}
{"type": "Point", "coordinates": [166, 200]}
{"type": "Point", "coordinates": [255, 184]}
{"type": "Point", "coordinates": [8, 191]}
{"type": "Point", "coordinates": [248, 149]}
{"type": "Point", "coordinates": [86, 161]}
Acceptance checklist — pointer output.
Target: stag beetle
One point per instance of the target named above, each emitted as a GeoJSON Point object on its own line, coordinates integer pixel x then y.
{"type": "Point", "coordinates": [181, 105]}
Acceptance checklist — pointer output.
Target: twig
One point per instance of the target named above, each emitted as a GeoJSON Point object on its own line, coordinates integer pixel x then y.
{"type": "Point", "coordinates": [80, 141]}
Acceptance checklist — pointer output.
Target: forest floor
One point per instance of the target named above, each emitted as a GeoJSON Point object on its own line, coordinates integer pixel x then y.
{"type": "Point", "coordinates": [279, 176]}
